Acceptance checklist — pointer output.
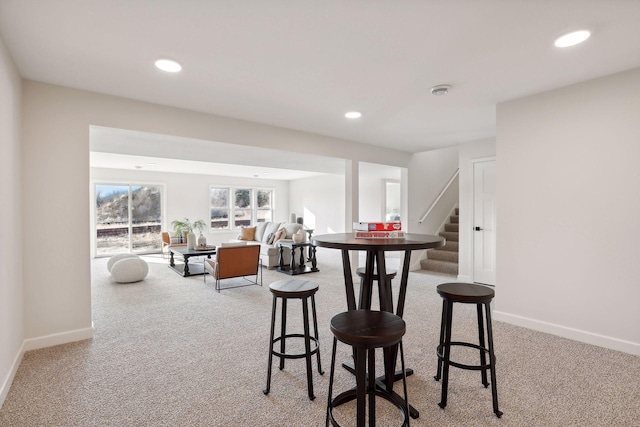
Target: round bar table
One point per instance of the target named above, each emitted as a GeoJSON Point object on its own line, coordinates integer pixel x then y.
{"type": "Point", "coordinates": [375, 249]}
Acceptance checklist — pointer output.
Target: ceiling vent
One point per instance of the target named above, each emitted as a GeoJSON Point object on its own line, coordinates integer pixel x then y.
{"type": "Point", "coordinates": [440, 90]}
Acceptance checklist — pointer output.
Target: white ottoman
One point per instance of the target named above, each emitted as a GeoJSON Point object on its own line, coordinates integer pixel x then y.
{"type": "Point", "coordinates": [117, 258]}
{"type": "Point", "coordinates": [129, 270]}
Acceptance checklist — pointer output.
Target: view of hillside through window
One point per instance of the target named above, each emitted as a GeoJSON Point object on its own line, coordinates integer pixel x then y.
{"type": "Point", "coordinates": [128, 218]}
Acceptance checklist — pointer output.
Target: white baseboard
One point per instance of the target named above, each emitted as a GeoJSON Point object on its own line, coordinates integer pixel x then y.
{"type": "Point", "coordinates": [6, 384]}
{"type": "Point", "coordinates": [57, 339]}
{"type": "Point", "coordinates": [570, 333]}
{"type": "Point", "coordinates": [41, 342]}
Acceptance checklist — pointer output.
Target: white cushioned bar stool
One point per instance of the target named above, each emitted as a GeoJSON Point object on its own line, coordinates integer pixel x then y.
{"type": "Point", "coordinates": [294, 289]}
{"type": "Point", "coordinates": [466, 293]}
{"type": "Point", "coordinates": [365, 331]}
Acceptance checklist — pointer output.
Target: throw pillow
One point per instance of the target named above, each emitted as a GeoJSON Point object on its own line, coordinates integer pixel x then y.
{"type": "Point", "coordinates": [247, 233]}
{"type": "Point", "coordinates": [270, 238]}
{"type": "Point", "coordinates": [280, 234]}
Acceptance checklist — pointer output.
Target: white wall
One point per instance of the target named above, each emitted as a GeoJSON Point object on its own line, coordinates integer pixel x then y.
{"type": "Point", "coordinates": [320, 201]}
{"type": "Point", "coordinates": [55, 131]}
{"type": "Point", "coordinates": [429, 172]}
{"type": "Point", "coordinates": [11, 300]}
{"type": "Point", "coordinates": [371, 189]}
{"type": "Point", "coordinates": [469, 152]}
{"type": "Point", "coordinates": [187, 195]}
{"type": "Point", "coordinates": [568, 194]}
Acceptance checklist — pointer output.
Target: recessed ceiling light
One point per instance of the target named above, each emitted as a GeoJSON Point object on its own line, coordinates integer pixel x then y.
{"type": "Point", "coordinates": [151, 164]}
{"type": "Point", "coordinates": [353, 115]}
{"type": "Point", "coordinates": [138, 167]}
{"type": "Point", "coordinates": [572, 39]}
{"type": "Point", "coordinates": [266, 173]}
{"type": "Point", "coordinates": [168, 65]}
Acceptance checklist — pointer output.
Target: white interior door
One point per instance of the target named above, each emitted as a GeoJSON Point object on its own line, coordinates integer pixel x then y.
{"type": "Point", "coordinates": [484, 225]}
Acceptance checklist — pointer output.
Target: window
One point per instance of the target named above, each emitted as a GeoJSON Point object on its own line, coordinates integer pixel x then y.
{"type": "Point", "coordinates": [128, 218]}
{"type": "Point", "coordinates": [264, 203]}
{"type": "Point", "coordinates": [219, 200]}
{"type": "Point", "coordinates": [250, 205]}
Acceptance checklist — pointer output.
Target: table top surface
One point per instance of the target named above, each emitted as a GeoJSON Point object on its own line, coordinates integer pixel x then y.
{"type": "Point", "coordinates": [350, 242]}
{"type": "Point", "coordinates": [290, 243]}
{"type": "Point", "coordinates": [184, 250]}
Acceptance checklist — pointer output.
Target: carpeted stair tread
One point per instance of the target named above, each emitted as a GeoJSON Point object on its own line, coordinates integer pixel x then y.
{"type": "Point", "coordinates": [450, 256]}
{"type": "Point", "coordinates": [452, 227]}
{"type": "Point", "coordinates": [445, 259]}
{"type": "Point", "coordinates": [451, 236]}
{"type": "Point", "coordinates": [439, 266]}
{"type": "Point", "coordinates": [450, 246]}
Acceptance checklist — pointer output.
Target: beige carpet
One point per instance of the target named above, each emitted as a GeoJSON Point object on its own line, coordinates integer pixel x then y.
{"type": "Point", "coordinates": [171, 351]}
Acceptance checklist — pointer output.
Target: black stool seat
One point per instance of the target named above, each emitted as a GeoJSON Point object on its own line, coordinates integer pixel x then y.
{"type": "Point", "coordinates": [466, 293]}
{"type": "Point", "coordinates": [368, 329]}
{"type": "Point", "coordinates": [391, 274]}
{"type": "Point", "coordinates": [365, 331]}
{"type": "Point", "coordinates": [294, 289]}
{"type": "Point", "coordinates": [364, 299]}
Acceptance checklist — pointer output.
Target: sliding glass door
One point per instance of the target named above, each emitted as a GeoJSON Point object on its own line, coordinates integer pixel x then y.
{"type": "Point", "coordinates": [128, 218]}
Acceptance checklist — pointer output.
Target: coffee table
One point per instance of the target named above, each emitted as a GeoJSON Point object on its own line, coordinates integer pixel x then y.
{"type": "Point", "coordinates": [186, 269]}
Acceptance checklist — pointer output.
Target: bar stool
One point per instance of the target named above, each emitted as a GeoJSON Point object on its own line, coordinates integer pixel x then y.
{"type": "Point", "coordinates": [466, 293]}
{"type": "Point", "coordinates": [364, 331]}
{"type": "Point", "coordinates": [294, 289]}
{"type": "Point", "coordinates": [365, 294]}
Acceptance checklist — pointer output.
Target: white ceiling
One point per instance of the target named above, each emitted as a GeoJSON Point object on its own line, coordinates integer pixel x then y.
{"type": "Point", "coordinates": [302, 64]}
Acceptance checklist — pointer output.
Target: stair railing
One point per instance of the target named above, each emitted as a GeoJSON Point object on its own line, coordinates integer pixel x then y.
{"type": "Point", "coordinates": [435, 202]}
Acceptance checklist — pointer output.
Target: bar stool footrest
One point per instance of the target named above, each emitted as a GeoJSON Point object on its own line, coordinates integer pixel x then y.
{"type": "Point", "coordinates": [349, 395]}
{"type": "Point", "coordinates": [296, 355]}
{"type": "Point", "coordinates": [440, 354]}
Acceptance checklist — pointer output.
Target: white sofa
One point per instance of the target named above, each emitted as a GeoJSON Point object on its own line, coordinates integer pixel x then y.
{"type": "Point", "coordinates": [270, 253]}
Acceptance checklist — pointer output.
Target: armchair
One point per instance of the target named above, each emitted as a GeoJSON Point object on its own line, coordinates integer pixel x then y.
{"type": "Point", "coordinates": [166, 241]}
{"type": "Point", "coordinates": [235, 261]}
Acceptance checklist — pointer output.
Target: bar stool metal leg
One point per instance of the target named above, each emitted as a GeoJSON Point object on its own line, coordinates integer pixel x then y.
{"type": "Point", "coordinates": [283, 331]}
{"type": "Point", "coordinates": [492, 362]}
{"type": "Point", "coordinates": [315, 327]}
{"type": "Point", "coordinates": [331, 372]}
{"type": "Point", "coordinates": [371, 386]}
{"type": "Point", "coordinates": [442, 329]}
{"type": "Point", "coordinates": [307, 346]}
{"type": "Point", "coordinates": [483, 358]}
{"type": "Point", "coordinates": [273, 325]}
{"type": "Point", "coordinates": [447, 356]}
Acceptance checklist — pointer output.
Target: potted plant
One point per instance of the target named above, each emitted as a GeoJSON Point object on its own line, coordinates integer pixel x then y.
{"type": "Point", "coordinates": [186, 227]}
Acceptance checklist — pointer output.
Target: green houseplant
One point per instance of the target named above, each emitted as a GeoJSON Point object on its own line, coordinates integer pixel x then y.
{"type": "Point", "coordinates": [186, 227]}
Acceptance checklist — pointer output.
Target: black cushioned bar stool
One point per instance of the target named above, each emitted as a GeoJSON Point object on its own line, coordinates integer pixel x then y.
{"type": "Point", "coordinates": [365, 293]}
{"type": "Point", "coordinates": [294, 289]}
{"type": "Point", "coordinates": [364, 331]}
{"type": "Point", "coordinates": [466, 293]}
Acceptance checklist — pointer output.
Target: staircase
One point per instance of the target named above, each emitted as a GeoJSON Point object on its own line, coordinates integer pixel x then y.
{"type": "Point", "coordinates": [445, 259]}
